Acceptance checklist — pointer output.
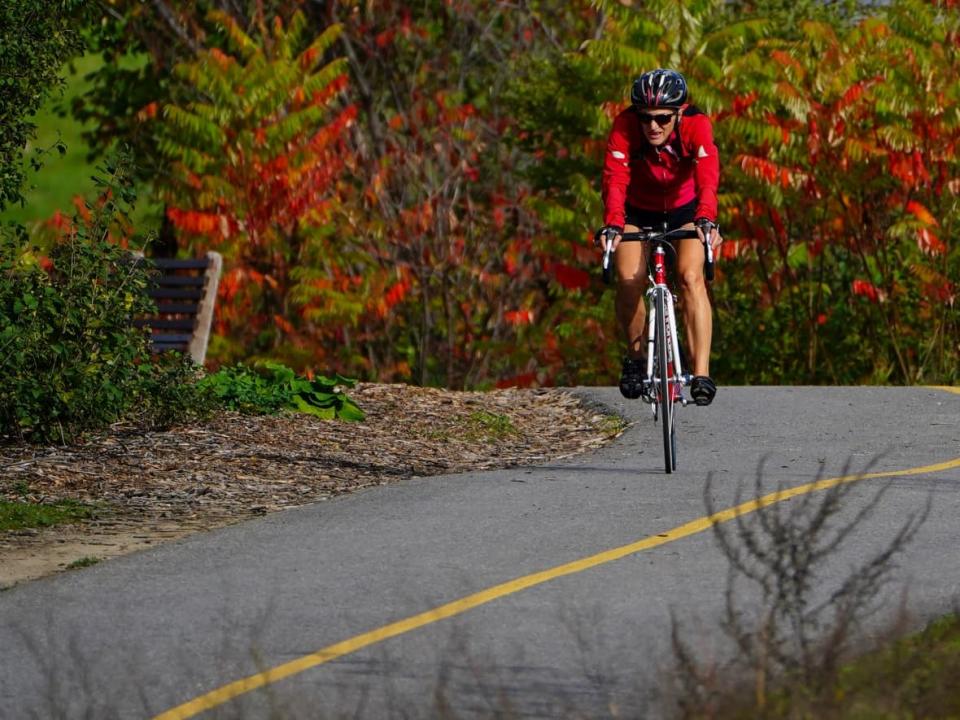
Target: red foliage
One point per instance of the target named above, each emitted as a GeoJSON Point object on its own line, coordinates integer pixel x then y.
{"type": "Point", "coordinates": [523, 380]}
{"type": "Point", "coordinates": [929, 243]}
{"type": "Point", "coordinates": [570, 277]}
{"type": "Point", "coordinates": [866, 289]}
{"type": "Point", "coordinates": [211, 225]}
{"type": "Point", "coordinates": [519, 317]}
{"type": "Point", "coordinates": [742, 102]}
{"type": "Point", "coordinates": [148, 112]}
{"type": "Point", "coordinates": [921, 213]}
{"type": "Point", "coordinates": [397, 292]}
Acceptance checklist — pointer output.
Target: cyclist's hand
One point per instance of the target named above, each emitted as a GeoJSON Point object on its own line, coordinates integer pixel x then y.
{"type": "Point", "coordinates": [608, 235]}
{"type": "Point", "coordinates": [708, 228]}
{"type": "Point", "coordinates": [715, 240]}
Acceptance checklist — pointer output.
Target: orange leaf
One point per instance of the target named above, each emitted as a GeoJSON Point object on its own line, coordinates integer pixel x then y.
{"type": "Point", "coordinates": [921, 213]}
{"type": "Point", "coordinates": [284, 325]}
{"type": "Point", "coordinates": [519, 317]}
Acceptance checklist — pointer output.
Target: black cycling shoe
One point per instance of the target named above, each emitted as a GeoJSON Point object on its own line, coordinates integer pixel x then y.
{"type": "Point", "coordinates": [702, 390]}
{"type": "Point", "coordinates": [631, 377]}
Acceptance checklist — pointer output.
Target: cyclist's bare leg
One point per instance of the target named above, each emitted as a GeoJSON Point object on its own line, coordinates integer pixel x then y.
{"type": "Point", "coordinates": [697, 313]}
{"type": "Point", "coordinates": [631, 264]}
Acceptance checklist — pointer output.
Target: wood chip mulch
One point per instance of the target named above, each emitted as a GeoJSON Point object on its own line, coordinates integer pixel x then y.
{"type": "Point", "coordinates": [234, 466]}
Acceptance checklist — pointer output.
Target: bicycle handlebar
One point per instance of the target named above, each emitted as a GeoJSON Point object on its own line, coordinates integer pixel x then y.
{"type": "Point", "coordinates": [655, 235]}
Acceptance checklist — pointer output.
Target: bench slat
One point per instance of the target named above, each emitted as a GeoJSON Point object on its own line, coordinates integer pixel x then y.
{"type": "Point", "coordinates": [179, 280]}
{"type": "Point", "coordinates": [175, 293]}
{"type": "Point", "coordinates": [173, 264]}
{"type": "Point", "coordinates": [178, 308]}
{"type": "Point", "coordinates": [166, 338]}
{"type": "Point", "coordinates": [162, 324]}
{"type": "Point", "coordinates": [184, 291]}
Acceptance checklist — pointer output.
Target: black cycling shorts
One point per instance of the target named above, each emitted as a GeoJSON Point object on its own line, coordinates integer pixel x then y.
{"type": "Point", "coordinates": [654, 219]}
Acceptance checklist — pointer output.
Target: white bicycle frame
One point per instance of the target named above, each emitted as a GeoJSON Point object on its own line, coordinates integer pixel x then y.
{"type": "Point", "coordinates": [658, 284]}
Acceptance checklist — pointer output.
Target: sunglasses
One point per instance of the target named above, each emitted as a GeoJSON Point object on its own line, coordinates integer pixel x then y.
{"type": "Point", "coordinates": [662, 119]}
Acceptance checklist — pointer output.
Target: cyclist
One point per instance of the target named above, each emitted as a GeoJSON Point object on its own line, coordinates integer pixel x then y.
{"type": "Point", "coordinates": [661, 166]}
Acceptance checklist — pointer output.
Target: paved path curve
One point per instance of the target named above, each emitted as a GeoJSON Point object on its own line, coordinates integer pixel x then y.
{"type": "Point", "coordinates": [545, 590]}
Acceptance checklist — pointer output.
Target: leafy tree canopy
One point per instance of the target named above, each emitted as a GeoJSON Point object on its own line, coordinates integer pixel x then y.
{"type": "Point", "coordinates": [165, 33]}
{"type": "Point", "coordinates": [36, 38]}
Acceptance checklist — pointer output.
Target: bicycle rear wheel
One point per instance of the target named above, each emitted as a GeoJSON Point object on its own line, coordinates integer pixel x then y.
{"type": "Point", "coordinates": [664, 391]}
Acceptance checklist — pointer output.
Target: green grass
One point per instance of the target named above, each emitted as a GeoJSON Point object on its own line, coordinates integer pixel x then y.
{"type": "Point", "coordinates": [913, 677]}
{"type": "Point", "coordinates": [613, 425]}
{"type": "Point", "coordinates": [83, 562]}
{"type": "Point", "coordinates": [483, 425]}
{"type": "Point", "coordinates": [21, 515]}
{"type": "Point", "coordinates": [61, 178]}
{"type": "Point", "coordinates": [480, 426]}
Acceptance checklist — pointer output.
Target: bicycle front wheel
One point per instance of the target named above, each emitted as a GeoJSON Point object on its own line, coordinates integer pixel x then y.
{"type": "Point", "coordinates": [664, 391]}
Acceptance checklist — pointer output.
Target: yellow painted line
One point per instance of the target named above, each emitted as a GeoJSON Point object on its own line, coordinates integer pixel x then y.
{"type": "Point", "coordinates": [945, 388]}
{"type": "Point", "coordinates": [457, 607]}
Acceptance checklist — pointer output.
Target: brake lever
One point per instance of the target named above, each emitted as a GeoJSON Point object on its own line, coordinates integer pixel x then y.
{"type": "Point", "coordinates": [708, 264]}
{"type": "Point", "coordinates": [607, 253]}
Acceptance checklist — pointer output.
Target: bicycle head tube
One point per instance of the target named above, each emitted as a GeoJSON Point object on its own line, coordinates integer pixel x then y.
{"type": "Point", "coordinates": [659, 265]}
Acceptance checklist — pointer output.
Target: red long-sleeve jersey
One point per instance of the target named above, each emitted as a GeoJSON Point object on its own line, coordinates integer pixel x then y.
{"type": "Point", "coordinates": [684, 169]}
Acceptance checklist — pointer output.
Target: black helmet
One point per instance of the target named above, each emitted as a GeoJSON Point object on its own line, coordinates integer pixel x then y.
{"type": "Point", "coordinates": [659, 88]}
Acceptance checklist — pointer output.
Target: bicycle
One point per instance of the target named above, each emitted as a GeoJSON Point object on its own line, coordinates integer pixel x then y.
{"type": "Point", "coordinates": [665, 378]}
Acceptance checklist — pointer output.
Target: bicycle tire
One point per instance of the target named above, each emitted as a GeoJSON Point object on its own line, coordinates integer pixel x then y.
{"type": "Point", "coordinates": [664, 399]}
{"type": "Point", "coordinates": [673, 414]}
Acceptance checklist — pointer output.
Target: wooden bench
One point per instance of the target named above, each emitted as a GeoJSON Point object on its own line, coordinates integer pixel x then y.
{"type": "Point", "coordinates": [185, 292]}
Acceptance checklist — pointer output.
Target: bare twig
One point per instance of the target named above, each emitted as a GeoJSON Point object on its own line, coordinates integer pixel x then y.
{"type": "Point", "coordinates": [781, 549]}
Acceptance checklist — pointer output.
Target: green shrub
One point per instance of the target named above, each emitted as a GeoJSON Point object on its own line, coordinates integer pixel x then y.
{"type": "Point", "coordinates": [71, 359]}
{"type": "Point", "coordinates": [169, 392]}
{"type": "Point", "coordinates": [69, 353]}
{"type": "Point", "coordinates": [270, 387]}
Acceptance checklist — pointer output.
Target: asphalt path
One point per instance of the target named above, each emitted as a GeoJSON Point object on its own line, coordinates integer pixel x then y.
{"type": "Point", "coordinates": [540, 591]}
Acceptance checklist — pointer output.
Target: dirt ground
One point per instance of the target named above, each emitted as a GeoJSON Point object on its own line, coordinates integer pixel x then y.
{"type": "Point", "coordinates": [149, 488]}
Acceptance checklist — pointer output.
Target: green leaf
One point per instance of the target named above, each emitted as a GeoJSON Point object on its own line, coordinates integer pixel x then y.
{"type": "Point", "coordinates": [798, 256]}
{"type": "Point", "coordinates": [305, 407]}
{"type": "Point", "coordinates": [350, 411]}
